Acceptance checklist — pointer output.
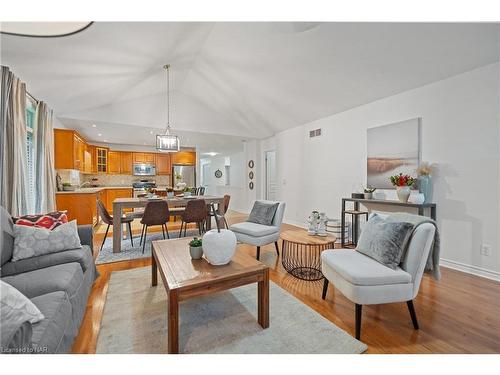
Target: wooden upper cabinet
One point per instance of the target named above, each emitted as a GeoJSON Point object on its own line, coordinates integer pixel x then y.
{"type": "Point", "coordinates": [144, 157]}
{"type": "Point", "coordinates": [114, 162]}
{"type": "Point", "coordinates": [101, 159]}
{"type": "Point", "coordinates": [88, 159]}
{"type": "Point", "coordinates": [184, 158]}
{"type": "Point", "coordinates": [163, 164]}
{"type": "Point", "coordinates": [126, 162]}
{"type": "Point", "coordinates": [69, 150]}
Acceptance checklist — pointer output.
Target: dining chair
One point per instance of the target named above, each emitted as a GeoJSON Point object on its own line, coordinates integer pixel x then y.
{"type": "Point", "coordinates": [222, 208]}
{"type": "Point", "coordinates": [155, 213]}
{"type": "Point", "coordinates": [108, 219]}
{"type": "Point", "coordinates": [195, 212]}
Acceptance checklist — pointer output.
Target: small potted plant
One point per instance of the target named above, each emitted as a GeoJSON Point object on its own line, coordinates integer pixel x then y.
{"type": "Point", "coordinates": [67, 186]}
{"type": "Point", "coordinates": [196, 248]}
{"type": "Point", "coordinates": [403, 184]}
{"type": "Point", "coordinates": [368, 192]}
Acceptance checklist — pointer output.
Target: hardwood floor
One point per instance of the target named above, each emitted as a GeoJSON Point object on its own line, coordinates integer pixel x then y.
{"type": "Point", "coordinates": [459, 314]}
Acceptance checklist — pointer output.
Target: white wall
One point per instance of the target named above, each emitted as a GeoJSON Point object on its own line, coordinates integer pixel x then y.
{"type": "Point", "coordinates": [460, 132]}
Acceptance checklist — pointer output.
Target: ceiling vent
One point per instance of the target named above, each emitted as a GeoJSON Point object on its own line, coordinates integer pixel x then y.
{"type": "Point", "coordinates": [315, 133]}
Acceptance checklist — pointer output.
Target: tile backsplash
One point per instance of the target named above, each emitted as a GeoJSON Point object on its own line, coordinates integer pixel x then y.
{"type": "Point", "coordinates": [123, 180]}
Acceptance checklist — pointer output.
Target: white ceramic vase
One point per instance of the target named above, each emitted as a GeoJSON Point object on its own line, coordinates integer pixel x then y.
{"type": "Point", "coordinates": [403, 193]}
{"type": "Point", "coordinates": [219, 247]}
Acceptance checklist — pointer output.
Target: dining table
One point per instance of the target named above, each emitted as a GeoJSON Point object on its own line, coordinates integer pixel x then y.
{"type": "Point", "coordinates": [120, 204]}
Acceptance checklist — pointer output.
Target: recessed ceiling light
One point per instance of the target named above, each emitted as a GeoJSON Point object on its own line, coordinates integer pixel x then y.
{"type": "Point", "coordinates": [151, 132]}
{"type": "Point", "coordinates": [94, 125]}
{"type": "Point", "coordinates": [104, 140]}
{"type": "Point", "coordinates": [99, 134]}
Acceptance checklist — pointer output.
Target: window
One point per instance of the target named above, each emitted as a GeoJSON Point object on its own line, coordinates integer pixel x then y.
{"type": "Point", "coordinates": [30, 151]}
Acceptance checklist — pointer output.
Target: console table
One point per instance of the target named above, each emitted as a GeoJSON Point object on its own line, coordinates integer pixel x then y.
{"type": "Point", "coordinates": [357, 201]}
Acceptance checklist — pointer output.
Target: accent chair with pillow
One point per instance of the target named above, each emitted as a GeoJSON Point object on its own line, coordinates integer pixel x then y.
{"type": "Point", "coordinates": [387, 265]}
{"type": "Point", "coordinates": [56, 279]}
{"type": "Point", "coordinates": [262, 226]}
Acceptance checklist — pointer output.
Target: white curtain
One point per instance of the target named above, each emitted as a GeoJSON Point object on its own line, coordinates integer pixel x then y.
{"type": "Point", "coordinates": [13, 142]}
{"type": "Point", "coordinates": [45, 180]}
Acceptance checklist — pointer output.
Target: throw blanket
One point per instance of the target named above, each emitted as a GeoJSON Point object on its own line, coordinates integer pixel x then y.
{"type": "Point", "coordinates": [432, 265]}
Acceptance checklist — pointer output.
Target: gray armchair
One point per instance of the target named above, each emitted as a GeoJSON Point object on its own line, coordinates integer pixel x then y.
{"type": "Point", "coordinates": [368, 282]}
{"type": "Point", "coordinates": [258, 234]}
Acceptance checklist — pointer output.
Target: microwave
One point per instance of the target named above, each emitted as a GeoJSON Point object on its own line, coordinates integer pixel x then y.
{"type": "Point", "coordinates": [142, 169]}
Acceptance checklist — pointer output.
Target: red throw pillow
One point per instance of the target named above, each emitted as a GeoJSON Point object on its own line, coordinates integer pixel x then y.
{"type": "Point", "coordinates": [49, 221]}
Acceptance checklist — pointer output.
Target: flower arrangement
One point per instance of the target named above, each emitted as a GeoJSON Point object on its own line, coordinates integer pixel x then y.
{"type": "Point", "coordinates": [425, 169]}
{"type": "Point", "coordinates": [402, 180]}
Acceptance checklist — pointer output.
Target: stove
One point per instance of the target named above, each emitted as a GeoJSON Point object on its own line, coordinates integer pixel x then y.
{"type": "Point", "coordinates": [140, 190]}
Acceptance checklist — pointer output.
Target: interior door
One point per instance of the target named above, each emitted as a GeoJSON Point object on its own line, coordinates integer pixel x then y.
{"type": "Point", "coordinates": [271, 181]}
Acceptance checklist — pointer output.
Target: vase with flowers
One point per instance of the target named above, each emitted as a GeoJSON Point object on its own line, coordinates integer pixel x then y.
{"type": "Point", "coordinates": [424, 172]}
{"type": "Point", "coordinates": [403, 183]}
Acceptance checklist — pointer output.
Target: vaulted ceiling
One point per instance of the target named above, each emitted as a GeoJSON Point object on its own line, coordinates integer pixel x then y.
{"type": "Point", "coordinates": [243, 80]}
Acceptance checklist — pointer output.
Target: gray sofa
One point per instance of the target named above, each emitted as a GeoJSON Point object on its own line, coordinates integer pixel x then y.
{"type": "Point", "coordinates": [58, 284]}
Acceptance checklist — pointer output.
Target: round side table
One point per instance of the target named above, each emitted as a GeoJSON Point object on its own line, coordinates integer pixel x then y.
{"type": "Point", "coordinates": [301, 253]}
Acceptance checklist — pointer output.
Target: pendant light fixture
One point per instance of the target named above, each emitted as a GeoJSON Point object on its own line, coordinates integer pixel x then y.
{"type": "Point", "coordinates": [167, 142]}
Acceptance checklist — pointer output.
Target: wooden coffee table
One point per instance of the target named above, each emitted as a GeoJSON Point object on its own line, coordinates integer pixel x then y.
{"type": "Point", "coordinates": [301, 253]}
{"type": "Point", "coordinates": [186, 278]}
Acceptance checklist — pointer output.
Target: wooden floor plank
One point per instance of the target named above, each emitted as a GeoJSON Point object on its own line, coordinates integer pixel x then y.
{"type": "Point", "coordinates": [459, 314]}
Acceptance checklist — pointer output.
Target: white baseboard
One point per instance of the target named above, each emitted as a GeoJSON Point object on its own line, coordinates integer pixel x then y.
{"type": "Point", "coordinates": [473, 270]}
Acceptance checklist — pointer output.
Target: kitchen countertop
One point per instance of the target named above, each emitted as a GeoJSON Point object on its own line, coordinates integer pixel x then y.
{"type": "Point", "coordinates": [92, 190]}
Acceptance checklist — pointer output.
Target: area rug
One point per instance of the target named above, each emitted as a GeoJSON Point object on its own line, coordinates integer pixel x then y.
{"type": "Point", "coordinates": [128, 252]}
{"type": "Point", "coordinates": [135, 317]}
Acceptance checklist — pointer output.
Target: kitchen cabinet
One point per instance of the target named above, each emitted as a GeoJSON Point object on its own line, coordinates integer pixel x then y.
{"type": "Point", "coordinates": [88, 158]}
{"type": "Point", "coordinates": [144, 157]}
{"type": "Point", "coordinates": [126, 162]}
{"type": "Point", "coordinates": [81, 207]}
{"type": "Point", "coordinates": [112, 194]}
{"type": "Point", "coordinates": [184, 158]}
{"type": "Point", "coordinates": [163, 164]}
{"type": "Point", "coordinates": [114, 162]}
{"type": "Point", "coordinates": [69, 150]}
{"type": "Point", "coordinates": [101, 162]}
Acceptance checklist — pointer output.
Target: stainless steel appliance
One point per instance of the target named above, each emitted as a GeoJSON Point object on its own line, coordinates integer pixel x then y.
{"type": "Point", "coordinates": [140, 190]}
{"type": "Point", "coordinates": [143, 169]}
{"type": "Point", "coordinates": [187, 173]}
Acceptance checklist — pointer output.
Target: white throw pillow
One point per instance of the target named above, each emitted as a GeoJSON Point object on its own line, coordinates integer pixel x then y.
{"type": "Point", "coordinates": [32, 241]}
{"type": "Point", "coordinates": [15, 309]}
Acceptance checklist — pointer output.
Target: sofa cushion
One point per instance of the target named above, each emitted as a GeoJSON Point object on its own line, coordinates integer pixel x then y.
{"type": "Point", "coordinates": [6, 237]}
{"type": "Point", "coordinates": [253, 229]}
{"type": "Point", "coordinates": [54, 333]}
{"type": "Point", "coordinates": [15, 309]}
{"type": "Point", "coordinates": [384, 241]}
{"type": "Point", "coordinates": [263, 212]}
{"type": "Point", "coordinates": [81, 256]}
{"type": "Point", "coordinates": [66, 277]}
{"type": "Point", "coordinates": [33, 241]}
{"type": "Point", "coordinates": [358, 269]}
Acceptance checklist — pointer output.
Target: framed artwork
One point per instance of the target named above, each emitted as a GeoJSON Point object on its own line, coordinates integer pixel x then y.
{"type": "Point", "coordinates": [218, 173]}
{"type": "Point", "coordinates": [392, 149]}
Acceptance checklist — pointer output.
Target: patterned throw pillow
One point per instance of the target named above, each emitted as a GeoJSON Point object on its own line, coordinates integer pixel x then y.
{"type": "Point", "coordinates": [49, 221]}
{"type": "Point", "coordinates": [32, 241]}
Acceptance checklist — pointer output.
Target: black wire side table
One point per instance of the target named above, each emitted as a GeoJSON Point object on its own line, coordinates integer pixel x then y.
{"type": "Point", "coordinates": [301, 253]}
